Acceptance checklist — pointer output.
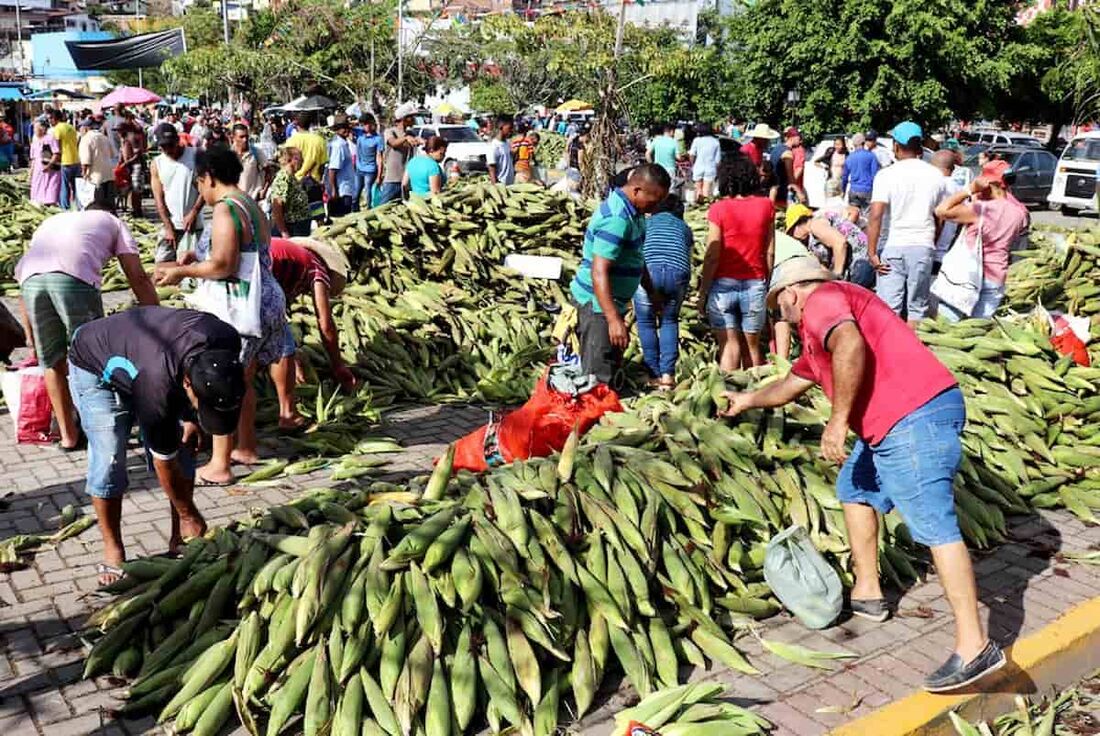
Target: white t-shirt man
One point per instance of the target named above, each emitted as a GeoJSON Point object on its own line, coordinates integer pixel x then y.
{"type": "Point", "coordinates": [910, 189]}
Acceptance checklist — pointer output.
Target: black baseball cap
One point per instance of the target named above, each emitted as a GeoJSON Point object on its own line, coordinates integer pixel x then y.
{"type": "Point", "coordinates": [217, 378]}
{"type": "Point", "coordinates": [166, 135]}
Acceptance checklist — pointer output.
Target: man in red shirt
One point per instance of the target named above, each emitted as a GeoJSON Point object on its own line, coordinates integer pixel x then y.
{"type": "Point", "coordinates": [794, 161]}
{"type": "Point", "coordinates": [907, 412]}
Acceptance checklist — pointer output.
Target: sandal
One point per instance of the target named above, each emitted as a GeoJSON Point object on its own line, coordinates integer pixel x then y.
{"type": "Point", "coordinates": [201, 482]}
{"type": "Point", "coordinates": [103, 570]}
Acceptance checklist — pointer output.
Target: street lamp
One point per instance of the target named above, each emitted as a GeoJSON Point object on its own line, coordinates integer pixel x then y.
{"type": "Point", "coordinates": [793, 98]}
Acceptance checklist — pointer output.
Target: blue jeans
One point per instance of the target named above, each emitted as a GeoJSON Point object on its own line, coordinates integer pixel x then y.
{"type": "Point", "coordinates": [907, 286]}
{"type": "Point", "coordinates": [363, 183]}
{"type": "Point", "coordinates": [737, 304]}
{"type": "Point", "coordinates": [107, 417]}
{"type": "Point", "coordinates": [391, 192]}
{"type": "Point", "coordinates": [913, 468]}
{"type": "Point", "coordinates": [659, 332]}
{"type": "Point", "coordinates": [69, 175]}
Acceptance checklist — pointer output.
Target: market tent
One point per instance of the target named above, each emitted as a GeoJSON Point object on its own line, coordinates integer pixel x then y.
{"type": "Point", "coordinates": [46, 95]}
{"type": "Point", "coordinates": [573, 106]}
{"type": "Point", "coordinates": [11, 94]}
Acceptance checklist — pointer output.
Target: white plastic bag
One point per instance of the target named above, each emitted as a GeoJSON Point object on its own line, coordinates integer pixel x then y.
{"type": "Point", "coordinates": [234, 300]}
{"type": "Point", "coordinates": [959, 283]}
{"type": "Point", "coordinates": [801, 579]}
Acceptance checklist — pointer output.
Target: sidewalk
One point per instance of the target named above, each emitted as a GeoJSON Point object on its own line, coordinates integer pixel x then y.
{"type": "Point", "coordinates": [1022, 588]}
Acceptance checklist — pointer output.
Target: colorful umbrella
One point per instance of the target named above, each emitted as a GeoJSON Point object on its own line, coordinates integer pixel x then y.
{"type": "Point", "coordinates": [573, 106]}
{"type": "Point", "coordinates": [129, 96]}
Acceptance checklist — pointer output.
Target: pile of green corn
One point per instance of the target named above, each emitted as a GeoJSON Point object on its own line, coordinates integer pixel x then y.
{"type": "Point", "coordinates": [449, 604]}
{"type": "Point", "coordinates": [1059, 272]}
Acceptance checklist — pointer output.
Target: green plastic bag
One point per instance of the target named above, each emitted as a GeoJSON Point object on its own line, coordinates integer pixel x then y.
{"type": "Point", "coordinates": [801, 578]}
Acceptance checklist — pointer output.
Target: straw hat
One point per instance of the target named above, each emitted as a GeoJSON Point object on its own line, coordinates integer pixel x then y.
{"type": "Point", "coordinates": [795, 271]}
{"type": "Point", "coordinates": [333, 258]}
{"type": "Point", "coordinates": [762, 130]}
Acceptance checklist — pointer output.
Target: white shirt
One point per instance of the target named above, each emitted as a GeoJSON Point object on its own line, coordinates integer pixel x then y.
{"type": "Point", "coordinates": [707, 153]}
{"type": "Point", "coordinates": [177, 177]}
{"type": "Point", "coordinates": [910, 189]}
{"type": "Point", "coordinates": [949, 229]}
{"type": "Point", "coordinates": [99, 155]}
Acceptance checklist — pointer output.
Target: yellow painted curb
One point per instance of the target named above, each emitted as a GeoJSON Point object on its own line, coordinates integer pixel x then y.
{"type": "Point", "coordinates": [1062, 651]}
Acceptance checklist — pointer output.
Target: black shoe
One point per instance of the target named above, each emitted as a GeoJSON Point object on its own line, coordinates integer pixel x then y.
{"type": "Point", "coordinates": [875, 609]}
{"type": "Point", "coordinates": [953, 674]}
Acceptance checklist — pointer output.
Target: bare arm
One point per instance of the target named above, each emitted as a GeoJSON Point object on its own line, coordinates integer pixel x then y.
{"type": "Point", "coordinates": [601, 285]}
{"type": "Point", "coordinates": [322, 306]}
{"type": "Point", "coordinates": [769, 250]}
{"type": "Point", "coordinates": [834, 239]}
{"type": "Point", "coordinates": [955, 208]}
{"type": "Point", "coordinates": [848, 350]}
{"type": "Point", "coordinates": [161, 205]}
{"type": "Point", "coordinates": [874, 229]}
{"type": "Point", "coordinates": [139, 281]}
{"type": "Point", "coordinates": [225, 250]}
{"type": "Point", "coordinates": [435, 183]}
{"type": "Point", "coordinates": [774, 394]}
{"type": "Point", "coordinates": [710, 262]}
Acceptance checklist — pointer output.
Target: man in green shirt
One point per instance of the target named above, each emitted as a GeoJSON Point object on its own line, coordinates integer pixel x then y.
{"type": "Point", "coordinates": [612, 268]}
{"type": "Point", "coordinates": [664, 149]}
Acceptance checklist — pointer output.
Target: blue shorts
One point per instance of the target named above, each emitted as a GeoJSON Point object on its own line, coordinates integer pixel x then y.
{"type": "Point", "coordinates": [107, 418]}
{"type": "Point", "coordinates": [289, 345]}
{"type": "Point", "coordinates": [735, 304]}
{"type": "Point", "coordinates": [913, 469]}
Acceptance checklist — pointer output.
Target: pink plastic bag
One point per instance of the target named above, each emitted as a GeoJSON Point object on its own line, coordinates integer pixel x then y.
{"type": "Point", "coordinates": [29, 404]}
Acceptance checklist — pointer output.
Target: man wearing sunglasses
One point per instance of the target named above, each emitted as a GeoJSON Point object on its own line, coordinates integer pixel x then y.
{"type": "Point", "coordinates": [907, 412]}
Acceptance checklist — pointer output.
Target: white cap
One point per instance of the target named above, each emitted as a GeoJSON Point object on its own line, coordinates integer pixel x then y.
{"type": "Point", "coordinates": [404, 110]}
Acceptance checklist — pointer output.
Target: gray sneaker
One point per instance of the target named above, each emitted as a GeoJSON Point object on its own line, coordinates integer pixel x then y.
{"type": "Point", "coordinates": [954, 674]}
{"type": "Point", "coordinates": [875, 609]}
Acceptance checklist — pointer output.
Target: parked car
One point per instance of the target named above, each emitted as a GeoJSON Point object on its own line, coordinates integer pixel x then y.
{"type": "Point", "coordinates": [1078, 170]}
{"type": "Point", "coordinates": [464, 147]}
{"type": "Point", "coordinates": [1008, 138]}
{"type": "Point", "coordinates": [1032, 171]}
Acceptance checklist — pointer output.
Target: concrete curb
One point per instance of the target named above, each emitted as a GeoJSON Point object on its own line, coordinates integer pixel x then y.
{"type": "Point", "coordinates": [1055, 656]}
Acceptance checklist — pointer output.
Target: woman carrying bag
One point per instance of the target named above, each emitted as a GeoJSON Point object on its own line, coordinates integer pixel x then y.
{"type": "Point", "coordinates": [232, 264]}
{"type": "Point", "coordinates": [993, 220]}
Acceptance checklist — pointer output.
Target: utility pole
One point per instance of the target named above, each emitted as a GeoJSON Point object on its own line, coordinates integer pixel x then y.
{"type": "Point", "coordinates": [19, 38]}
{"type": "Point", "coordinates": [137, 15]}
{"type": "Point", "coordinates": [400, 51]}
{"type": "Point", "coordinates": [619, 29]}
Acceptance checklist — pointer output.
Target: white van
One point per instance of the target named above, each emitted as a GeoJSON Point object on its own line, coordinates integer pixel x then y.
{"type": "Point", "coordinates": [1074, 187]}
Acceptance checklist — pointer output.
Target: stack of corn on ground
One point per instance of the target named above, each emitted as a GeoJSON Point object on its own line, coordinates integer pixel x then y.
{"type": "Point", "coordinates": [444, 604]}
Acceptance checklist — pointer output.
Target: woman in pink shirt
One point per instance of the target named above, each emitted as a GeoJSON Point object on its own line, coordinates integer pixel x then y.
{"type": "Point", "coordinates": [1000, 218]}
{"type": "Point", "coordinates": [45, 155]}
{"type": "Point", "coordinates": [59, 279]}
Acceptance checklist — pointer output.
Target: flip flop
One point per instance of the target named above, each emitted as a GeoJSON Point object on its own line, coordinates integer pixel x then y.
{"type": "Point", "coordinates": [103, 568]}
{"type": "Point", "coordinates": [201, 482]}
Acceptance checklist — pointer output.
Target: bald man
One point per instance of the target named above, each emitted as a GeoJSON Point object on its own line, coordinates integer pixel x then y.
{"type": "Point", "coordinates": [945, 160]}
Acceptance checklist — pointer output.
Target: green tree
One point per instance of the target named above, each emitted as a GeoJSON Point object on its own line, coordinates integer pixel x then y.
{"type": "Point", "coordinates": [489, 96]}
{"type": "Point", "coordinates": [860, 63]}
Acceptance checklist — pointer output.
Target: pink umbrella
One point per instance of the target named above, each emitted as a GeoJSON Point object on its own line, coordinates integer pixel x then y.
{"type": "Point", "coordinates": [129, 96]}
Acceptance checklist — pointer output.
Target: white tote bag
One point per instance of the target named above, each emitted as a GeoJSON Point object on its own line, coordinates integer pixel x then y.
{"type": "Point", "coordinates": [959, 283]}
{"type": "Point", "coordinates": [235, 300]}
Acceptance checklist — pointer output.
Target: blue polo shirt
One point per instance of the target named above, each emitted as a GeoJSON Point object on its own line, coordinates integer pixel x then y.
{"type": "Point", "coordinates": [366, 152]}
{"type": "Point", "coordinates": [615, 232]}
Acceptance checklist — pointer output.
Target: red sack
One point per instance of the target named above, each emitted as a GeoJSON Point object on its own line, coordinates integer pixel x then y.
{"type": "Point", "coordinates": [29, 404]}
{"type": "Point", "coordinates": [539, 428]}
{"type": "Point", "coordinates": [1066, 342]}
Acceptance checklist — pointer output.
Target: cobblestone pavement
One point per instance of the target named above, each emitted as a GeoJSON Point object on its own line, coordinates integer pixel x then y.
{"type": "Point", "coordinates": [1022, 587]}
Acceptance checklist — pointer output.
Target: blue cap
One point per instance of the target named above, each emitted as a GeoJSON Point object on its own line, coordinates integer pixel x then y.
{"type": "Point", "coordinates": [905, 132]}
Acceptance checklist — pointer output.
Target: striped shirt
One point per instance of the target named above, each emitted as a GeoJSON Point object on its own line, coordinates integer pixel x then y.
{"type": "Point", "coordinates": [615, 232]}
{"type": "Point", "coordinates": [668, 242]}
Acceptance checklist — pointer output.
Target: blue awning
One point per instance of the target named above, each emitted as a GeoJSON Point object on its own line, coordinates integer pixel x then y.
{"type": "Point", "coordinates": [10, 94]}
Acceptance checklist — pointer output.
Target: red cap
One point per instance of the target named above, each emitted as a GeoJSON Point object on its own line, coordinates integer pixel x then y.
{"type": "Point", "coordinates": [994, 172]}
{"type": "Point", "coordinates": [791, 131]}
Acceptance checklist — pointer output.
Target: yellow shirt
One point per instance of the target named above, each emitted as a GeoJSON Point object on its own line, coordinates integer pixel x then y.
{"type": "Point", "coordinates": [314, 153]}
{"type": "Point", "coordinates": [66, 136]}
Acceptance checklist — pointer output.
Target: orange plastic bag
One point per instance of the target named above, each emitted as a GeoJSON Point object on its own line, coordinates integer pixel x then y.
{"type": "Point", "coordinates": [539, 428]}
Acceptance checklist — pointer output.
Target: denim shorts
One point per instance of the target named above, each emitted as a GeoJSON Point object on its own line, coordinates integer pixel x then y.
{"type": "Point", "coordinates": [913, 469]}
{"type": "Point", "coordinates": [289, 345]}
{"type": "Point", "coordinates": [907, 286]}
{"type": "Point", "coordinates": [107, 417]}
{"type": "Point", "coordinates": [736, 304]}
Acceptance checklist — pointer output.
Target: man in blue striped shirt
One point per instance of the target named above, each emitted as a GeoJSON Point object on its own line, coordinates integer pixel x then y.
{"type": "Point", "coordinates": [612, 267]}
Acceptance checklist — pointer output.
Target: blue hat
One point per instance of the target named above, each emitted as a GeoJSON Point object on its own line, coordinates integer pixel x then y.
{"type": "Point", "coordinates": [905, 132]}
